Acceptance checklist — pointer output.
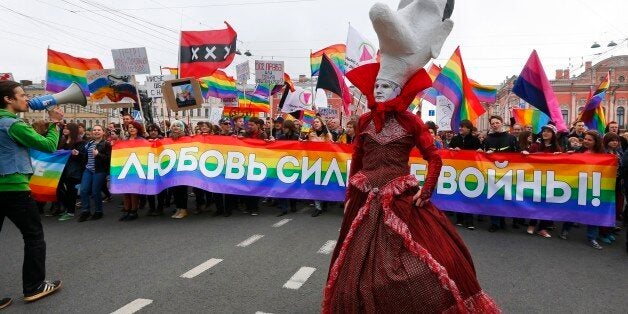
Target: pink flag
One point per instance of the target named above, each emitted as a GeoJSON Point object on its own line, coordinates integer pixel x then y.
{"type": "Point", "coordinates": [533, 86]}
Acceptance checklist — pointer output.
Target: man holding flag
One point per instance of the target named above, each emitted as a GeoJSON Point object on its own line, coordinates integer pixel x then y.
{"type": "Point", "coordinates": [16, 137]}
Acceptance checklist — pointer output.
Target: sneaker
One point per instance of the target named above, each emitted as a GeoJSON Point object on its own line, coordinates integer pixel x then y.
{"type": "Point", "coordinates": [176, 214]}
{"type": "Point", "coordinates": [611, 237]}
{"type": "Point", "coordinates": [563, 235]}
{"type": "Point", "coordinates": [96, 216]}
{"type": "Point", "coordinates": [459, 223]}
{"type": "Point", "coordinates": [83, 216]}
{"type": "Point", "coordinates": [606, 240]}
{"type": "Point", "coordinates": [46, 288]}
{"type": "Point", "coordinates": [471, 227]}
{"type": "Point", "coordinates": [255, 213]}
{"type": "Point", "coordinates": [5, 302]}
{"type": "Point", "coordinates": [493, 228]}
{"type": "Point", "coordinates": [107, 199]}
{"type": "Point", "coordinates": [65, 216]}
{"type": "Point", "coordinates": [595, 245]}
{"type": "Point", "coordinates": [282, 214]}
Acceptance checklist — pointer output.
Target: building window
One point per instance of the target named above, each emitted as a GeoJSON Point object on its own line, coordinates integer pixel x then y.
{"type": "Point", "coordinates": [620, 117]}
{"type": "Point", "coordinates": [207, 112]}
{"type": "Point", "coordinates": [621, 78]}
{"type": "Point", "coordinates": [580, 109]}
{"type": "Point", "coordinates": [198, 112]}
{"type": "Point", "coordinates": [565, 114]}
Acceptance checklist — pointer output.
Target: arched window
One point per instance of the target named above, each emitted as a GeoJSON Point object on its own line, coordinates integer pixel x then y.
{"type": "Point", "coordinates": [565, 114]}
{"type": "Point", "coordinates": [620, 117]}
{"type": "Point", "coordinates": [580, 109]}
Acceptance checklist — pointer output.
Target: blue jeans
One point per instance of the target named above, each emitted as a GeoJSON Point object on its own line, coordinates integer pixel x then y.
{"type": "Point", "coordinates": [92, 183]}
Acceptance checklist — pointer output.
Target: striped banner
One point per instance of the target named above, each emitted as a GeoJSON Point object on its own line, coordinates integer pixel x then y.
{"type": "Point", "coordinates": [47, 170]}
{"type": "Point", "coordinates": [566, 187]}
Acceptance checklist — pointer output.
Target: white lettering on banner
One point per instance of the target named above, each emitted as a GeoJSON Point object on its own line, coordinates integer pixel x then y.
{"type": "Point", "coordinates": [220, 163]}
{"type": "Point", "coordinates": [553, 185]}
{"type": "Point", "coordinates": [471, 182]}
{"type": "Point", "coordinates": [172, 160]}
{"type": "Point", "coordinates": [250, 175]}
{"type": "Point", "coordinates": [134, 162]}
{"type": "Point", "coordinates": [235, 161]}
{"type": "Point", "coordinates": [505, 183]}
{"type": "Point", "coordinates": [315, 170]}
{"type": "Point", "coordinates": [479, 178]}
{"type": "Point", "coordinates": [447, 176]}
{"type": "Point", "coordinates": [335, 170]}
{"type": "Point", "coordinates": [281, 175]}
{"type": "Point", "coordinates": [534, 185]}
{"type": "Point", "coordinates": [184, 158]}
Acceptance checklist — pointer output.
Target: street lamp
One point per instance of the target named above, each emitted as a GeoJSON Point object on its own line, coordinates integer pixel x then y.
{"type": "Point", "coordinates": [248, 53]}
{"type": "Point", "coordinates": [595, 45]}
{"type": "Point", "coordinates": [611, 44]}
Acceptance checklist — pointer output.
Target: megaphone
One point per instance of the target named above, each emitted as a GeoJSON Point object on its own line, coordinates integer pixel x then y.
{"type": "Point", "coordinates": [71, 95]}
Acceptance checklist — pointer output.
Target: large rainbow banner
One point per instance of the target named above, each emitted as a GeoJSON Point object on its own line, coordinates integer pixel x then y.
{"type": "Point", "coordinates": [47, 170]}
{"type": "Point", "coordinates": [566, 187]}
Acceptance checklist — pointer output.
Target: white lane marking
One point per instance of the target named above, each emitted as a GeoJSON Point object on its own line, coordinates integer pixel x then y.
{"type": "Point", "coordinates": [327, 247]}
{"type": "Point", "coordinates": [281, 222]}
{"type": "Point", "coordinates": [201, 268]}
{"type": "Point", "coordinates": [299, 278]}
{"type": "Point", "coordinates": [250, 240]}
{"type": "Point", "coordinates": [133, 307]}
{"type": "Point", "coordinates": [260, 312]}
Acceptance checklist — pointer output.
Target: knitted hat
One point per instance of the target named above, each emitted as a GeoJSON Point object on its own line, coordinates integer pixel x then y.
{"type": "Point", "coordinates": [411, 36]}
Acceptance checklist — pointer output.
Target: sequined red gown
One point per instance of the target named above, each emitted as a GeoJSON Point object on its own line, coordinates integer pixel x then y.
{"type": "Point", "coordinates": [393, 257]}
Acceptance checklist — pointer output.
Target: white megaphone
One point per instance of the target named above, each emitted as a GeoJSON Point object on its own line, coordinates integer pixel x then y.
{"type": "Point", "coordinates": [71, 95]}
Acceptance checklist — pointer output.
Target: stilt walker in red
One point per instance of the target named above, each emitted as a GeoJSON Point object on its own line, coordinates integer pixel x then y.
{"type": "Point", "coordinates": [397, 252]}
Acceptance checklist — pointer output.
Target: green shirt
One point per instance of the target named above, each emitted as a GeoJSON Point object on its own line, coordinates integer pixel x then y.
{"type": "Point", "coordinates": [24, 134]}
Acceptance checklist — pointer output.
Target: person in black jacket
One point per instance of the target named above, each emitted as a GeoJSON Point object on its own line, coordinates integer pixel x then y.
{"type": "Point", "coordinates": [73, 171]}
{"type": "Point", "coordinates": [498, 141]}
{"type": "Point", "coordinates": [465, 141]}
{"type": "Point", "coordinates": [98, 159]}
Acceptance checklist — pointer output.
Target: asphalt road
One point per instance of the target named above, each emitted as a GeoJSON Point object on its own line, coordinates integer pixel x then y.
{"type": "Point", "coordinates": [246, 264]}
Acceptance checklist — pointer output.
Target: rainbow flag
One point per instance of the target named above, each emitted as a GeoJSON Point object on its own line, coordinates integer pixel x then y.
{"type": "Point", "coordinates": [433, 71]}
{"type": "Point", "coordinates": [262, 90]}
{"type": "Point", "coordinates": [307, 119]}
{"type": "Point", "coordinates": [218, 85]}
{"type": "Point", "coordinates": [453, 83]}
{"type": "Point", "coordinates": [483, 92]}
{"type": "Point", "coordinates": [530, 116]}
{"type": "Point", "coordinates": [63, 69]}
{"type": "Point", "coordinates": [415, 105]}
{"type": "Point", "coordinates": [173, 71]}
{"type": "Point", "coordinates": [336, 53]}
{"type": "Point", "coordinates": [566, 187]}
{"type": "Point", "coordinates": [47, 168]}
{"type": "Point", "coordinates": [253, 102]}
{"type": "Point", "coordinates": [593, 113]}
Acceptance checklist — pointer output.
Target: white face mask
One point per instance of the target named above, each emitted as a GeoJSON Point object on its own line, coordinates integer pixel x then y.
{"type": "Point", "coordinates": [386, 90]}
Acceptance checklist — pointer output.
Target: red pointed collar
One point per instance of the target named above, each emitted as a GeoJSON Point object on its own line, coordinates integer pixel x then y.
{"type": "Point", "coordinates": [364, 77]}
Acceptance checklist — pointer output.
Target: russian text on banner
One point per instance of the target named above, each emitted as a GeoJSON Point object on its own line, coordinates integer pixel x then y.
{"type": "Point", "coordinates": [566, 187]}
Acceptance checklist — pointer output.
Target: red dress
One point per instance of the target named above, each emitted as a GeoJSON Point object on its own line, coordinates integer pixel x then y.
{"type": "Point", "coordinates": [393, 257]}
